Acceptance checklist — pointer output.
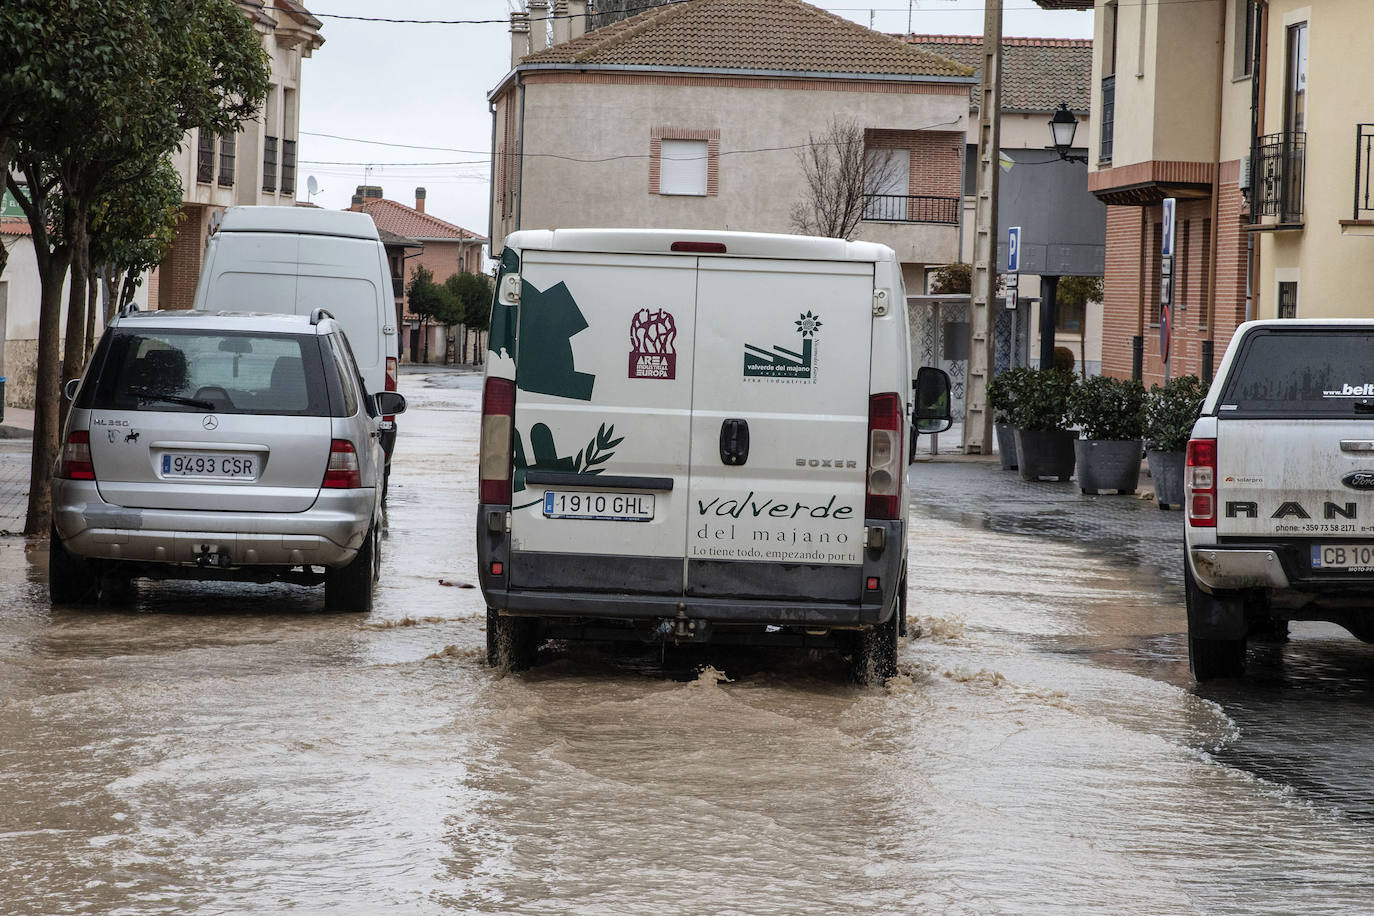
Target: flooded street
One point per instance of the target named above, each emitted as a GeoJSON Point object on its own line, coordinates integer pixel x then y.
{"type": "Point", "coordinates": [234, 749]}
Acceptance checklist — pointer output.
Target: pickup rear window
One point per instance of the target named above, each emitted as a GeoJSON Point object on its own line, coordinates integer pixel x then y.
{"type": "Point", "coordinates": [1303, 372]}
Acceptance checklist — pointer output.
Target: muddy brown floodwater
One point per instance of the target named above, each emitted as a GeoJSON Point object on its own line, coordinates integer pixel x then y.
{"type": "Point", "coordinates": [235, 749]}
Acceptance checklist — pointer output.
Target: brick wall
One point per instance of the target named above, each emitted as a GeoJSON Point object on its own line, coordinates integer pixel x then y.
{"type": "Point", "coordinates": [937, 158]}
{"type": "Point", "coordinates": [179, 271]}
{"type": "Point", "coordinates": [1122, 281]}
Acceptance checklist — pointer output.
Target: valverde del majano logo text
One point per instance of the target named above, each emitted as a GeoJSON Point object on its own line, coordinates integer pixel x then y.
{"type": "Point", "coordinates": [782, 363]}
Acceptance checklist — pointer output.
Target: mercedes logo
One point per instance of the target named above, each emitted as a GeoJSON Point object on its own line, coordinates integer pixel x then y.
{"type": "Point", "coordinates": [210, 422]}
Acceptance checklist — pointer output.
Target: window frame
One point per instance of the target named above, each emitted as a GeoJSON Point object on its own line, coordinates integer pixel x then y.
{"type": "Point", "coordinates": [658, 135]}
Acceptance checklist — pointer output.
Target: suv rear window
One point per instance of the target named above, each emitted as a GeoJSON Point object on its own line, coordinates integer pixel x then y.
{"type": "Point", "coordinates": [1301, 373]}
{"type": "Point", "coordinates": [224, 371]}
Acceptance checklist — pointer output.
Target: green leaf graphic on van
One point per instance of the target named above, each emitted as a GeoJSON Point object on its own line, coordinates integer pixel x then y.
{"type": "Point", "coordinates": [589, 459]}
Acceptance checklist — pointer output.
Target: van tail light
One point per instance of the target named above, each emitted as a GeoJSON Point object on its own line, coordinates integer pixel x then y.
{"type": "Point", "coordinates": [884, 456]}
{"type": "Point", "coordinates": [392, 379]}
{"type": "Point", "coordinates": [75, 463]}
{"type": "Point", "coordinates": [498, 421]}
{"type": "Point", "coordinates": [1200, 482]}
{"type": "Point", "coordinates": [342, 471]}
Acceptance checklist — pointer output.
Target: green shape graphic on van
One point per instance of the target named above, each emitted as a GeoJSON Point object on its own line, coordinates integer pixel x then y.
{"type": "Point", "coordinates": [548, 322]}
{"type": "Point", "coordinates": [780, 362]}
{"type": "Point", "coordinates": [589, 460]}
{"type": "Point", "coordinates": [501, 336]}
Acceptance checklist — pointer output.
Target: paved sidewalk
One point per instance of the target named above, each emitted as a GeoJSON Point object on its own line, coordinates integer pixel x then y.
{"type": "Point", "coordinates": [976, 488]}
{"type": "Point", "coordinates": [15, 456]}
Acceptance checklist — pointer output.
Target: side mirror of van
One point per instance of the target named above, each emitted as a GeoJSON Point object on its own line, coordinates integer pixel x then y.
{"type": "Point", "coordinates": [390, 402]}
{"type": "Point", "coordinates": [931, 413]}
{"type": "Point", "coordinates": [71, 388]}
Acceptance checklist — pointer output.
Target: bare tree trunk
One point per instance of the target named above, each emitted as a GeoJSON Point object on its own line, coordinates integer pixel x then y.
{"type": "Point", "coordinates": [92, 292]}
{"type": "Point", "coordinates": [74, 344]}
{"type": "Point", "coordinates": [46, 392]}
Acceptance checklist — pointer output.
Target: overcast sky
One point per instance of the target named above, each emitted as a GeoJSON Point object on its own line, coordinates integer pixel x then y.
{"type": "Point", "coordinates": [426, 86]}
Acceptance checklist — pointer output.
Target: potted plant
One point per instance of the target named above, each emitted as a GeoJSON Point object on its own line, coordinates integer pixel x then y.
{"type": "Point", "coordinates": [1001, 395]}
{"type": "Point", "coordinates": [1111, 413]}
{"type": "Point", "coordinates": [1170, 411]}
{"type": "Point", "coordinates": [1044, 443]}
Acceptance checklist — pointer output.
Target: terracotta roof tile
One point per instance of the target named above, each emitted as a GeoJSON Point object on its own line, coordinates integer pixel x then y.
{"type": "Point", "coordinates": [411, 223]}
{"type": "Point", "coordinates": [11, 226]}
{"type": "Point", "coordinates": [782, 35]}
{"type": "Point", "coordinates": [1038, 73]}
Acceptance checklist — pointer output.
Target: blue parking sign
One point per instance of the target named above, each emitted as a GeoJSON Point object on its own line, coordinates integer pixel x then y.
{"type": "Point", "coordinates": [1014, 249]}
{"type": "Point", "coordinates": [1167, 229]}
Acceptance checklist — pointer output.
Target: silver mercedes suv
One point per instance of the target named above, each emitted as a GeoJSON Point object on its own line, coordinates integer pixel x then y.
{"type": "Point", "coordinates": [220, 446]}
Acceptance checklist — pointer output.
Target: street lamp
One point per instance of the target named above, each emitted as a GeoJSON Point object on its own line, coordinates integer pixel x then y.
{"type": "Point", "coordinates": [1062, 128]}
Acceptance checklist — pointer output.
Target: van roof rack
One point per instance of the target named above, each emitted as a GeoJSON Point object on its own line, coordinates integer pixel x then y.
{"type": "Point", "coordinates": [317, 314]}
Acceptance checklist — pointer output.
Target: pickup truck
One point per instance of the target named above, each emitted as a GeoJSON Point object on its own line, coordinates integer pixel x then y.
{"type": "Point", "coordinates": [1279, 489]}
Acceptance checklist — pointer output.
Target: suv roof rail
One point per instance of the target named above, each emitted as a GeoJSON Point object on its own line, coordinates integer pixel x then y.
{"type": "Point", "coordinates": [317, 314]}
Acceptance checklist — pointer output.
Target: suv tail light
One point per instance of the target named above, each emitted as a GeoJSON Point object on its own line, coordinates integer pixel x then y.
{"type": "Point", "coordinates": [342, 471]}
{"type": "Point", "coordinates": [498, 421]}
{"type": "Point", "coordinates": [392, 372]}
{"type": "Point", "coordinates": [1200, 482]}
{"type": "Point", "coordinates": [75, 462]}
{"type": "Point", "coordinates": [884, 456]}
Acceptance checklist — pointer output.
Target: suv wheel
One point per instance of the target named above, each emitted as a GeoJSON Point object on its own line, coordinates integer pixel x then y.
{"type": "Point", "coordinates": [512, 642]}
{"type": "Point", "coordinates": [874, 657]}
{"type": "Point", "coordinates": [71, 579]}
{"type": "Point", "coordinates": [348, 589]}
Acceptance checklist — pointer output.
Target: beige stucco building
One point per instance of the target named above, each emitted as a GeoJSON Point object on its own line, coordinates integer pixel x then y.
{"type": "Point", "coordinates": [1252, 114]}
{"type": "Point", "coordinates": [693, 115]}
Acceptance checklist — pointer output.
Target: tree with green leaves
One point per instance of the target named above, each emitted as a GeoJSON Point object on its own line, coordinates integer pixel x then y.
{"type": "Point", "coordinates": [103, 85]}
{"type": "Point", "coordinates": [473, 292]}
{"type": "Point", "coordinates": [431, 302]}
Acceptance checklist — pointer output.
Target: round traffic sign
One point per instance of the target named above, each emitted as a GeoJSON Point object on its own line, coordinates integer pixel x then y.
{"type": "Point", "coordinates": [1165, 327]}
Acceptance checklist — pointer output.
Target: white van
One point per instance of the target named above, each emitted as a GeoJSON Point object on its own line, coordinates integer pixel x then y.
{"type": "Point", "coordinates": [297, 259]}
{"type": "Point", "coordinates": [697, 436]}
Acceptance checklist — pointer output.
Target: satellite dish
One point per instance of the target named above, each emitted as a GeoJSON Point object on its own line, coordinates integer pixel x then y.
{"type": "Point", "coordinates": [312, 187]}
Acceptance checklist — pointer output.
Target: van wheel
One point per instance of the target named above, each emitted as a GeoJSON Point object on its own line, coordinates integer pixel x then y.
{"type": "Point", "coordinates": [348, 589]}
{"type": "Point", "coordinates": [875, 652]}
{"type": "Point", "coordinates": [71, 579]}
{"type": "Point", "coordinates": [512, 643]}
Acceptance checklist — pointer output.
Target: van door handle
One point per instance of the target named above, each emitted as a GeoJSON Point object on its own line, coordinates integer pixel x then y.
{"type": "Point", "coordinates": [734, 442]}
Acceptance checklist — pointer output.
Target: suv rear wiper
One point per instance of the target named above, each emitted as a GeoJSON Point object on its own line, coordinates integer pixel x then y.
{"type": "Point", "coordinates": [1364, 407]}
{"type": "Point", "coordinates": [146, 395]}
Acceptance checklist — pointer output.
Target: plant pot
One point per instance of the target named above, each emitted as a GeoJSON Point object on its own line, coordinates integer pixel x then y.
{"type": "Point", "coordinates": [1166, 469]}
{"type": "Point", "coordinates": [1006, 445]}
{"type": "Point", "coordinates": [1045, 453]}
{"type": "Point", "coordinates": [1107, 464]}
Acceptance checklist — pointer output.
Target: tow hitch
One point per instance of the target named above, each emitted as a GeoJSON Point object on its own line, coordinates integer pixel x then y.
{"type": "Point", "coordinates": [681, 629]}
{"type": "Point", "coordinates": [211, 555]}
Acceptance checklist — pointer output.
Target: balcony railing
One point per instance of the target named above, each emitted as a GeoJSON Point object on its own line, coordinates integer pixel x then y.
{"type": "Point", "coordinates": [1364, 153]}
{"type": "Point", "coordinates": [205, 157]}
{"type": "Point", "coordinates": [1281, 160]}
{"type": "Point", "coordinates": [905, 208]}
{"type": "Point", "coordinates": [398, 287]}
{"type": "Point", "coordinates": [269, 164]}
{"type": "Point", "coordinates": [288, 166]}
{"type": "Point", "coordinates": [1108, 117]}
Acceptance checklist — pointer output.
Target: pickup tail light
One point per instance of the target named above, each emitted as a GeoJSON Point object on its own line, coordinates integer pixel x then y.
{"type": "Point", "coordinates": [1200, 483]}
{"type": "Point", "coordinates": [392, 379]}
{"type": "Point", "coordinates": [498, 422]}
{"type": "Point", "coordinates": [342, 472]}
{"type": "Point", "coordinates": [75, 462]}
{"type": "Point", "coordinates": [885, 455]}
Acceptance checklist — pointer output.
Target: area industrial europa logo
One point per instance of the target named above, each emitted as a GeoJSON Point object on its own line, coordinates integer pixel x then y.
{"type": "Point", "coordinates": [782, 363]}
{"type": "Point", "coordinates": [653, 344]}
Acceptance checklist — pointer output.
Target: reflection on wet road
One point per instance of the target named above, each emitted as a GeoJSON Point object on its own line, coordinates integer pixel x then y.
{"type": "Point", "coordinates": [235, 749]}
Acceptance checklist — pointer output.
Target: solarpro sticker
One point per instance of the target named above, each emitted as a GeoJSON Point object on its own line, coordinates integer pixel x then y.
{"type": "Point", "coordinates": [653, 344]}
{"type": "Point", "coordinates": [781, 363]}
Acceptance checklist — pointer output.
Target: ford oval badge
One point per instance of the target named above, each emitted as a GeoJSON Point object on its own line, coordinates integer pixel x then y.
{"type": "Point", "coordinates": [1359, 480]}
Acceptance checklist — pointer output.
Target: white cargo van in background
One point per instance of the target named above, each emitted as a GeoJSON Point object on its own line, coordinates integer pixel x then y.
{"type": "Point", "coordinates": [297, 259]}
{"type": "Point", "coordinates": [698, 436]}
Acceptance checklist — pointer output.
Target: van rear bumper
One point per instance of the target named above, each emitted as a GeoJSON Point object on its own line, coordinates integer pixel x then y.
{"type": "Point", "coordinates": [716, 610]}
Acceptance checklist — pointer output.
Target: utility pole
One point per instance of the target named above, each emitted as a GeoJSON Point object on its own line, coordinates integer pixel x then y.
{"type": "Point", "coordinates": [977, 417]}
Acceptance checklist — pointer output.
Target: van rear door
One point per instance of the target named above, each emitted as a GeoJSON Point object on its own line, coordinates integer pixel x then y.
{"type": "Point", "coordinates": [602, 421]}
{"type": "Point", "coordinates": [341, 275]}
{"type": "Point", "coordinates": [779, 428]}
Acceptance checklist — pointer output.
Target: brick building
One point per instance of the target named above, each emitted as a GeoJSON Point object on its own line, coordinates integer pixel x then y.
{"type": "Point", "coordinates": [444, 250]}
